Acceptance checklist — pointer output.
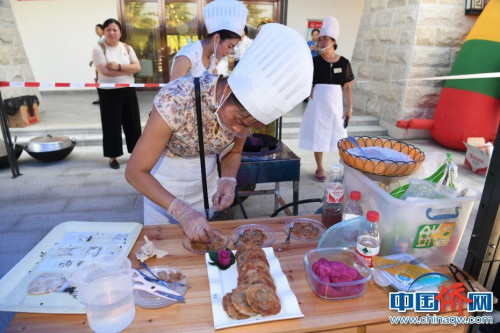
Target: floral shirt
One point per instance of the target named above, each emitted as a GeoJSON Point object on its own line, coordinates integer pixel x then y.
{"type": "Point", "coordinates": [177, 105]}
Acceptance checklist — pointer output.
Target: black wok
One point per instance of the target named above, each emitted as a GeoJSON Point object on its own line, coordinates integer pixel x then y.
{"type": "Point", "coordinates": [4, 160]}
{"type": "Point", "coordinates": [50, 149]}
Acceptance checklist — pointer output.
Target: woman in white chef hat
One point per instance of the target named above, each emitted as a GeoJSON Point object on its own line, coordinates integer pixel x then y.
{"type": "Point", "coordinates": [267, 83]}
{"type": "Point", "coordinates": [324, 121]}
{"type": "Point", "coordinates": [225, 21]}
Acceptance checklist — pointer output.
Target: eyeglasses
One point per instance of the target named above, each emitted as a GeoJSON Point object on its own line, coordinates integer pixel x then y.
{"type": "Point", "coordinates": [455, 271]}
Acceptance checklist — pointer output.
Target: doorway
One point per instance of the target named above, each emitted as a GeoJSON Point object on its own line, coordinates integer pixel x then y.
{"type": "Point", "coordinates": [157, 29]}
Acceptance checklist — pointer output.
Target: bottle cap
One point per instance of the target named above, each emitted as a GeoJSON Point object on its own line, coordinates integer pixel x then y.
{"type": "Point", "coordinates": [355, 195]}
{"type": "Point", "coordinates": [372, 216]}
{"type": "Point", "coordinates": [337, 168]}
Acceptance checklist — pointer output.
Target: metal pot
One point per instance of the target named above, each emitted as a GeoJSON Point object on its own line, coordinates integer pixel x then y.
{"type": "Point", "coordinates": [50, 148]}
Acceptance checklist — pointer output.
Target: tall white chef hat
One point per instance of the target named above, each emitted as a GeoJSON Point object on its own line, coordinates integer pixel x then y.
{"type": "Point", "coordinates": [273, 77]}
{"type": "Point", "coordinates": [225, 15]}
{"type": "Point", "coordinates": [330, 27]}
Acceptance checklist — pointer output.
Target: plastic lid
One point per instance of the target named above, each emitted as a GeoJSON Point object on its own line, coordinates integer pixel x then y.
{"type": "Point", "coordinates": [337, 168]}
{"type": "Point", "coordinates": [355, 195]}
{"type": "Point", "coordinates": [372, 216]}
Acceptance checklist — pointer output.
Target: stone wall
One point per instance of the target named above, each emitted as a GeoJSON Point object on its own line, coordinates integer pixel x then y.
{"type": "Point", "coordinates": [400, 40]}
{"type": "Point", "coordinates": [14, 64]}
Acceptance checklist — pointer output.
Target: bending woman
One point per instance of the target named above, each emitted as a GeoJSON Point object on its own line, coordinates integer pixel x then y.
{"type": "Point", "coordinates": [229, 108]}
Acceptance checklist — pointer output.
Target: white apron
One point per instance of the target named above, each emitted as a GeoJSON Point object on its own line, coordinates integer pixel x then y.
{"type": "Point", "coordinates": [181, 177]}
{"type": "Point", "coordinates": [322, 125]}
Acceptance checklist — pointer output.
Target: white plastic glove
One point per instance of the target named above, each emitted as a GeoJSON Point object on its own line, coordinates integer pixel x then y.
{"type": "Point", "coordinates": [192, 222]}
{"type": "Point", "coordinates": [224, 196]}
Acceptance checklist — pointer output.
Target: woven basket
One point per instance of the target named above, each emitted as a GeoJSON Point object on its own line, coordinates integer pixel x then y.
{"type": "Point", "coordinates": [381, 167]}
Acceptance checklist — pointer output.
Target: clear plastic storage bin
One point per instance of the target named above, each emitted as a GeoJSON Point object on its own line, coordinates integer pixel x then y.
{"type": "Point", "coordinates": [429, 228]}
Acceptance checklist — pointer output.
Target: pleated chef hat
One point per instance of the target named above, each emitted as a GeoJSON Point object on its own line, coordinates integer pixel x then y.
{"type": "Point", "coordinates": [330, 27]}
{"type": "Point", "coordinates": [273, 77]}
{"type": "Point", "coordinates": [225, 15]}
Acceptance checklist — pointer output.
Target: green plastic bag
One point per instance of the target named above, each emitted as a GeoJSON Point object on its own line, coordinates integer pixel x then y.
{"type": "Point", "coordinates": [445, 170]}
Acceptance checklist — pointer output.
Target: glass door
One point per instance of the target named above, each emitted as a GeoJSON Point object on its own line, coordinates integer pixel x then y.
{"type": "Point", "coordinates": [142, 27]}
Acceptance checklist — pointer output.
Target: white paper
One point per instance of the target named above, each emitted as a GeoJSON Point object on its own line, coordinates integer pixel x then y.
{"type": "Point", "coordinates": [77, 247]}
{"type": "Point", "coordinates": [223, 282]}
{"type": "Point", "coordinates": [63, 249]}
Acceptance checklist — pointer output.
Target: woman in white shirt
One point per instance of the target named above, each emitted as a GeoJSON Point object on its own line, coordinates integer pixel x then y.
{"type": "Point", "coordinates": [116, 62]}
{"type": "Point", "coordinates": [225, 20]}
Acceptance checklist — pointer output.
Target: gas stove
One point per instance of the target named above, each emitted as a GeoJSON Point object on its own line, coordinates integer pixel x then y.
{"type": "Point", "coordinates": [275, 165]}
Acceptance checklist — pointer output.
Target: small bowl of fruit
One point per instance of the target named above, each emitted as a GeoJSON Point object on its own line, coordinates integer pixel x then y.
{"type": "Point", "coordinates": [336, 273]}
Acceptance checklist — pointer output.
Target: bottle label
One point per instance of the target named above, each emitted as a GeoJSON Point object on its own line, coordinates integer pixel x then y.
{"type": "Point", "coordinates": [336, 193]}
{"type": "Point", "coordinates": [367, 253]}
{"type": "Point", "coordinates": [348, 216]}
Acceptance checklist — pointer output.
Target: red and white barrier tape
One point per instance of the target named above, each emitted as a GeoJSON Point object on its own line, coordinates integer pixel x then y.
{"type": "Point", "coordinates": [446, 77]}
{"type": "Point", "coordinates": [79, 85]}
{"type": "Point", "coordinates": [159, 85]}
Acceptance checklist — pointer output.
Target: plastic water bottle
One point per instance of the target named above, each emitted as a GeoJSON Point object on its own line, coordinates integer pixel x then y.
{"type": "Point", "coordinates": [368, 244]}
{"type": "Point", "coordinates": [353, 207]}
{"type": "Point", "coordinates": [333, 197]}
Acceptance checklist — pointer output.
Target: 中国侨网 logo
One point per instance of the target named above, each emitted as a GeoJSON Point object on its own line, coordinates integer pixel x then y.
{"type": "Point", "coordinates": [453, 296]}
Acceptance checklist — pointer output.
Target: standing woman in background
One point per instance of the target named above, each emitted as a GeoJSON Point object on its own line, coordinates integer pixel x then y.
{"type": "Point", "coordinates": [225, 21]}
{"type": "Point", "coordinates": [324, 121]}
{"type": "Point", "coordinates": [312, 43]}
{"type": "Point", "coordinates": [116, 62]}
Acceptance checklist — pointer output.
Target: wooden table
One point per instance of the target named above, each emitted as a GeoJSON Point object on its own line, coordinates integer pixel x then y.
{"type": "Point", "coordinates": [369, 313]}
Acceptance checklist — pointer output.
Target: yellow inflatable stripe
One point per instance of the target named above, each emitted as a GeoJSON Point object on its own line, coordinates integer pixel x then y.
{"type": "Point", "coordinates": [487, 25]}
